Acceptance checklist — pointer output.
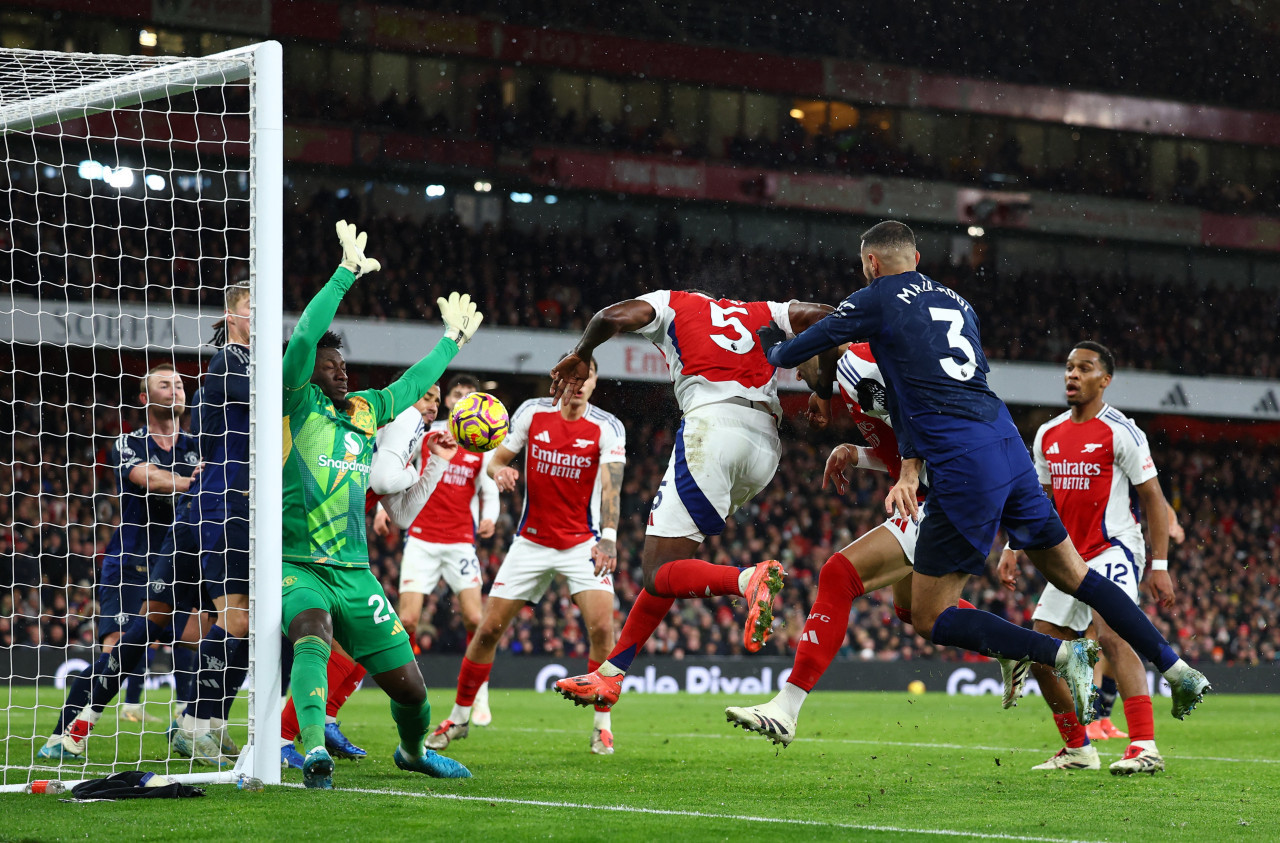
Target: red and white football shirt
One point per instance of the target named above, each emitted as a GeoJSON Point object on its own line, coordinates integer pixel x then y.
{"type": "Point", "coordinates": [562, 468]}
{"type": "Point", "coordinates": [451, 514]}
{"type": "Point", "coordinates": [711, 347]}
{"type": "Point", "coordinates": [857, 369]}
{"type": "Point", "coordinates": [1091, 466]}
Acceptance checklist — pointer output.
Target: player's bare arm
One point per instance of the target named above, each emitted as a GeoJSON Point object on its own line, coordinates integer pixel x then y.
{"type": "Point", "coordinates": [605, 553]}
{"type": "Point", "coordinates": [500, 469]}
{"type": "Point", "coordinates": [841, 458]}
{"type": "Point", "coordinates": [1176, 534]}
{"type": "Point", "coordinates": [159, 481]}
{"type": "Point", "coordinates": [1007, 569]}
{"type": "Point", "coordinates": [572, 371]}
{"type": "Point", "coordinates": [1157, 583]}
{"type": "Point", "coordinates": [902, 497]}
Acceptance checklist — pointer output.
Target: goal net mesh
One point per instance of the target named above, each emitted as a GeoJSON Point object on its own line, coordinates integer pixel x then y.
{"type": "Point", "coordinates": [127, 190]}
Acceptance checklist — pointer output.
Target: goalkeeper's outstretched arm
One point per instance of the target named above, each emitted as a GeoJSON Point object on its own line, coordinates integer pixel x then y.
{"type": "Point", "coordinates": [300, 353]}
{"type": "Point", "coordinates": [461, 321]}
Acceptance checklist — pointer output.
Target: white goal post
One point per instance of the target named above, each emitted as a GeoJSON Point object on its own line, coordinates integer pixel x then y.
{"type": "Point", "coordinates": [105, 275]}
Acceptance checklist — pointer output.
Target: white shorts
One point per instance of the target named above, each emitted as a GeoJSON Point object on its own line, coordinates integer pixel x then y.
{"type": "Point", "coordinates": [724, 455]}
{"type": "Point", "coordinates": [1114, 563]}
{"type": "Point", "coordinates": [424, 564]}
{"type": "Point", "coordinates": [905, 531]}
{"type": "Point", "coordinates": [530, 567]}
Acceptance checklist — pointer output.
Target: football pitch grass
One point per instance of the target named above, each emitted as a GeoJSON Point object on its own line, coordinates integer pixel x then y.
{"type": "Point", "coordinates": [867, 766]}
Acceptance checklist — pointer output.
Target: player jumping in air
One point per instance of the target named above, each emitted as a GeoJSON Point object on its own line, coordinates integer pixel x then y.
{"type": "Point", "coordinates": [726, 451]}
{"type": "Point", "coordinates": [329, 591]}
{"type": "Point", "coordinates": [569, 526]}
{"type": "Point", "coordinates": [1088, 459]}
{"type": "Point", "coordinates": [926, 340]}
{"type": "Point", "coordinates": [882, 557]}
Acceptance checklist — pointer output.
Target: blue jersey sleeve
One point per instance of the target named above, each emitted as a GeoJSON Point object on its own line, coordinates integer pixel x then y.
{"type": "Point", "coordinates": [228, 377]}
{"type": "Point", "coordinates": [124, 458]}
{"type": "Point", "coordinates": [857, 318]}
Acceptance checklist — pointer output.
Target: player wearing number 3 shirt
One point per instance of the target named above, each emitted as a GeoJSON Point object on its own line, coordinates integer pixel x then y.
{"type": "Point", "coordinates": [1088, 459]}
{"type": "Point", "coordinates": [726, 451]}
{"type": "Point", "coordinates": [925, 337]}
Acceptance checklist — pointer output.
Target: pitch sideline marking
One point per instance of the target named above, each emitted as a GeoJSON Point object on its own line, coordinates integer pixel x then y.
{"type": "Point", "coordinates": [922, 745]}
{"type": "Point", "coordinates": [628, 809]}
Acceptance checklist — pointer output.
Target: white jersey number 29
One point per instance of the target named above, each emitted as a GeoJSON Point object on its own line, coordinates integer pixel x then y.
{"type": "Point", "coordinates": [744, 340]}
{"type": "Point", "coordinates": [959, 371]}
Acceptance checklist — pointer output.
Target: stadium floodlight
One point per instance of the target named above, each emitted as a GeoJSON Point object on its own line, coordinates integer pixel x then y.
{"type": "Point", "coordinates": [100, 287]}
{"type": "Point", "coordinates": [435, 191]}
{"type": "Point", "coordinates": [551, 199]}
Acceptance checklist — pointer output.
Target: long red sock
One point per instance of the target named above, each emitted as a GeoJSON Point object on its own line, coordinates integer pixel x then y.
{"type": "Point", "coordinates": [1070, 729]}
{"type": "Point", "coordinates": [1142, 723]}
{"type": "Point", "coordinates": [824, 630]}
{"type": "Point", "coordinates": [904, 615]}
{"type": "Point", "coordinates": [470, 678]}
{"type": "Point", "coordinates": [695, 578]}
{"type": "Point", "coordinates": [289, 721]}
{"type": "Point", "coordinates": [343, 681]}
{"type": "Point", "coordinates": [645, 615]}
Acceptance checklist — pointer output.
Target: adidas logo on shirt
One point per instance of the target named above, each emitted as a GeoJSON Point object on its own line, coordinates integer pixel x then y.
{"type": "Point", "coordinates": [1053, 449]}
{"type": "Point", "coordinates": [544, 436]}
{"type": "Point", "coordinates": [809, 635]}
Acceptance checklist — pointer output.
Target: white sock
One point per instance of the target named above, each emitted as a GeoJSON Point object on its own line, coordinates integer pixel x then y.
{"type": "Point", "coordinates": [1064, 655]}
{"type": "Point", "coordinates": [460, 714]}
{"type": "Point", "coordinates": [607, 668]}
{"type": "Point", "coordinates": [329, 719]}
{"type": "Point", "coordinates": [90, 714]}
{"type": "Point", "coordinates": [1150, 746]}
{"type": "Point", "coordinates": [1174, 672]}
{"type": "Point", "coordinates": [482, 695]}
{"type": "Point", "coordinates": [790, 698]}
{"type": "Point", "coordinates": [603, 721]}
{"type": "Point", "coordinates": [744, 577]}
{"type": "Point", "coordinates": [216, 723]}
{"type": "Point", "coordinates": [54, 740]}
{"type": "Point", "coordinates": [285, 742]}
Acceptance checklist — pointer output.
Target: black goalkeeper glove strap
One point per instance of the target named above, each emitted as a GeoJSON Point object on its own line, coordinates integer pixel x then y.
{"type": "Point", "coordinates": [770, 335]}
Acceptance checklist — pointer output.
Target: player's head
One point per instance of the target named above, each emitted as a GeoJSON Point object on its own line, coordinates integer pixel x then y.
{"type": "Point", "coordinates": [888, 249]}
{"type": "Point", "coordinates": [1090, 366]}
{"type": "Point", "coordinates": [460, 386]}
{"type": "Point", "coordinates": [580, 398]}
{"type": "Point", "coordinates": [234, 324]}
{"type": "Point", "coordinates": [429, 404]}
{"type": "Point", "coordinates": [330, 372]}
{"type": "Point", "coordinates": [161, 388]}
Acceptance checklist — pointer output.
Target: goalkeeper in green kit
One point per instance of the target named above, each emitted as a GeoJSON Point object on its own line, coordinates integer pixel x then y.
{"type": "Point", "coordinates": [329, 592]}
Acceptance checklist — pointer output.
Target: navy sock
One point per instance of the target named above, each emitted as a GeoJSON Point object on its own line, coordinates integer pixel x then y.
{"type": "Point", "coordinates": [213, 670]}
{"type": "Point", "coordinates": [622, 661]}
{"type": "Point", "coordinates": [237, 670]}
{"type": "Point", "coordinates": [1106, 697]}
{"type": "Point", "coordinates": [983, 632]}
{"type": "Point", "coordinates": [129, 652]}
{"type": "Point", "coordinates": [136, 680]}
{"type": "Point", "coordinates": [1124, 616]}
{"type": "Point", "coordinates": [185, 665]}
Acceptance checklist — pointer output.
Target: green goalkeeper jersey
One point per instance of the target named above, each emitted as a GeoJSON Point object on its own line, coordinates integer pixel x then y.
{"type": "Point", "coordinates": [328, 452]}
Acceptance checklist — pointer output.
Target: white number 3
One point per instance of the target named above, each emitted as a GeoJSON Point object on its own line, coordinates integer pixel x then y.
{"type": "Point", "coordinates": [379, 604]}
{"type": "Point", "coordinates": [959, 371]}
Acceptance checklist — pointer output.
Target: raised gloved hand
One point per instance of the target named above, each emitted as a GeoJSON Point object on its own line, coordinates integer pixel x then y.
{"type": "Point", "coordinates": [461, 319]}
{"type": "Point", "coordinates": [353, 258]}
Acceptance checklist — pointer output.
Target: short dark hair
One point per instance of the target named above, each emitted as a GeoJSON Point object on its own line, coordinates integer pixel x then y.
{"type": "Point", "coordinates": [330, 340]}
{"type": "Point", "coordinates": [1104, 354]}
{"type": "Point", "coordinates": [889, 234]}
{"type": "Point", "coordinates": [462, 380]}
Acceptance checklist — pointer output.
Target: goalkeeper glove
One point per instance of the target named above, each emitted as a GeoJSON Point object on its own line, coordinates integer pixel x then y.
{"type": "Point", "coordinates": [461, 319]}
{"type": "Point", "coordinates": [770, 335]}
{"type": "Point", "coordinates": [353, 259]}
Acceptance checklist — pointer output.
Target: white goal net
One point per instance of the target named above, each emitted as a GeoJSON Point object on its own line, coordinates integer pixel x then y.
{"type": "Point", "coordinates": [140, 346]}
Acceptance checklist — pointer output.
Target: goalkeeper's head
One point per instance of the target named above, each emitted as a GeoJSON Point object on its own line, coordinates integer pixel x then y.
{"type": "Point", "coordinates": [330, 372]}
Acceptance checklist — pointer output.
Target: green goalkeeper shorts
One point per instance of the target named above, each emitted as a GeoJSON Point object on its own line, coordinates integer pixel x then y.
{"type": "Point", "coordinates": [364, 623]}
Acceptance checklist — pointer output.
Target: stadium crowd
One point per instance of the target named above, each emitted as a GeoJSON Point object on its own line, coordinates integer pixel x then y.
{"type": "Point", "coordinates": [58, 509]}
{"type": "Point", "coordinates": [556, 279]}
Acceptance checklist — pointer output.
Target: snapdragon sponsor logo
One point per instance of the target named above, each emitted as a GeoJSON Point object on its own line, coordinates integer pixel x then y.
{"type": "Point", "coordinates": [696, 679]}
{"type": "Point", "coordinates": [327, 461]}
